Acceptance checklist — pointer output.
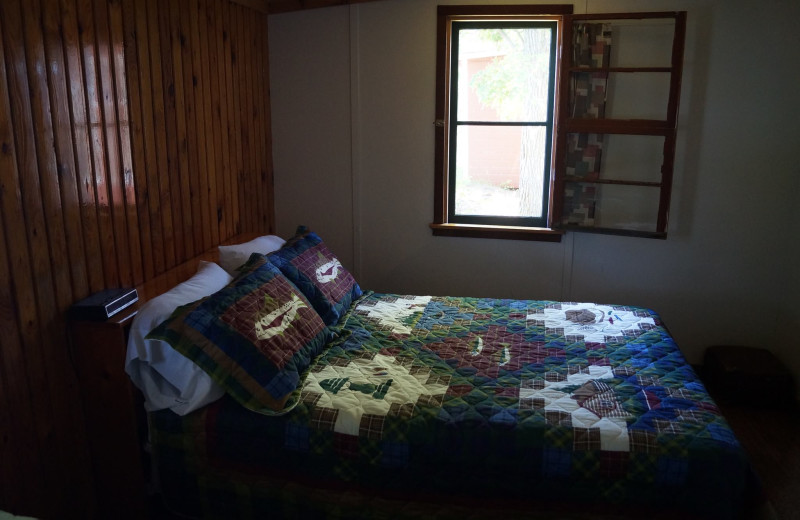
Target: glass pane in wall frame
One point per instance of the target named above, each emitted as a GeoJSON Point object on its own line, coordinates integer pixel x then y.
{"type": "Point", "coordinates": [624, 42]}
{"type": "Point", "coordinates": [500, 170]}
{"type": "Point", "coordinates": [619, 95]}
{"type": "Point", "coordinates": [637, 95]}
{"type": "Point", "coordinates": [504, 74]}
{"type": "Point", "coordinates": [642, 43]}
{"type": "Point", "coordinates": [636, 158]}
{"type": "Point", "coordinates": [611, 206]}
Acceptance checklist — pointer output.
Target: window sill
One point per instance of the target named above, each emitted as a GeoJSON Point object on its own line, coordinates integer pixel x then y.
{"type": "Point", "coordinates": [499, 232]}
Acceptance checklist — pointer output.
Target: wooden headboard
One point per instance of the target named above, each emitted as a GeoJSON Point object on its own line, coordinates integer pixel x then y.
{"type": "Point", "coordinates": [116, 426]}
{"type": "Point", "coordinates": [181, 272]}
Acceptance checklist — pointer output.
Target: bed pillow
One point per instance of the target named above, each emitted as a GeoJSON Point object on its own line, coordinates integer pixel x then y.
{"type": "Point", "coordinates": [234, 256]}
{"type": "Point", "coordinates": [167, 378]}
{"type": "Point", "coordinates": [310, 265]}
{"type": "Point", "coordinates": [254, 337]}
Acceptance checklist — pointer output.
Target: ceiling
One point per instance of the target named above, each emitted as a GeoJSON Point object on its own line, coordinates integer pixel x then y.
{"type": "Point", "coordinates": [285, 6]}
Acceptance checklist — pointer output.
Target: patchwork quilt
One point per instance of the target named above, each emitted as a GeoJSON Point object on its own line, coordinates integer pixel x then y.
{"type": "Point", "coordinates": [464, 407]}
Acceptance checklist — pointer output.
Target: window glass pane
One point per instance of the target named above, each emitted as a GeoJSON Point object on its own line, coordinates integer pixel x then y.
{"type": "Point", "coordinates": [591, 45]}
{"type": "Point", "coordinates": [641, 95]}
{"type": "Point", "coordinates": [500, 170]}
{"type": "Point", "coordinates": [611, 206]}
{"type": "Point", "coordinates": [632, 157]}
{"type": "Point", "coordinates": [619, 95]}
{"type": "Point", "coordinates": [642, 43]}
{"type": "Point", "coordinates": [624, 43]}
{"type": "Point", "coordinates": [580, 204]}
{"type": "Point", "coordinates": [628, 207]}
{"type": "Point", "coordinates": [621, 157]}
{"type": "Point", "coordinates": [504, 74]}
{"type": "Point", "coordinates": [587, 95]}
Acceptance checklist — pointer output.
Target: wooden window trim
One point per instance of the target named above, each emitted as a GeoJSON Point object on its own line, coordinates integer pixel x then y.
{"type": "Point", "coordinates": [440, 225]}
{"type": "Point", "coordinates": [499, 232]}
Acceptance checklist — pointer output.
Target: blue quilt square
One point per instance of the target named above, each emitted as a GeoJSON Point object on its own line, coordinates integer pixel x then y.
{"type": "Point", "coordinates": [296, 437]}
{"type": "Point", "coordinates": [556, 462]}
{"type": "Point", "coordinates": [394, 454]}
{"type": "Point", "coordinates": [671, 471]}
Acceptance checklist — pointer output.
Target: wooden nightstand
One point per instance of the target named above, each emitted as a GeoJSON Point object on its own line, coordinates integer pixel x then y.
{"type": "Point", "coordinates": [110, 404]}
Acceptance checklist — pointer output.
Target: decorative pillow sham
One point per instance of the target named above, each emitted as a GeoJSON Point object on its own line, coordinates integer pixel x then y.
{"type": "Point", "coordinates": [234, 256]}
{"type": "Point", "coordinates": [309, 264]}
{"type": "Point", "coordinates": [254, 337]}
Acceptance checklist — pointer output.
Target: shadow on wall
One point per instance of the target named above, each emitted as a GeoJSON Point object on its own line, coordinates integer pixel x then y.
{"type": "Point", "coordinates": [690, 129]}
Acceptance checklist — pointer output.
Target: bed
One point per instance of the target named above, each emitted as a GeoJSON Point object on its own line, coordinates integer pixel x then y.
{"type": "Point", "coordinates": [279, 389]}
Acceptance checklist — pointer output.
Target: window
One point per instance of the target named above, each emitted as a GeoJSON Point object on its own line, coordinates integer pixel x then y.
{"type": "Point", "coordinates": [501, 121]}
{"type": "Point", "coordinates": [547, 121]}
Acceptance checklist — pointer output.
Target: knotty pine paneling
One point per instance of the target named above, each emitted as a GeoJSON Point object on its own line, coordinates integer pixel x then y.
{"type": "Point", "coordinates": [134, 135]}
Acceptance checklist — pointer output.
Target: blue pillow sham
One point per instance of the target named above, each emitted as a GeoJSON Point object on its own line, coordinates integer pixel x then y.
{"type": "Point", "coordinates": [308, 263]}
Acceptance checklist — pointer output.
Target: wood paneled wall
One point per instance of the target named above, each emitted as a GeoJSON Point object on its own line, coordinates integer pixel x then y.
{"type": "Point", "coordinates": [134, 135]}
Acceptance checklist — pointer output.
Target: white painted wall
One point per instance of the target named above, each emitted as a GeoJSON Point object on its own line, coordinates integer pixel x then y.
{"type": "Point", "coordinates": [353, 105]}
{"type": "Point", "coordinates": [310, 94]}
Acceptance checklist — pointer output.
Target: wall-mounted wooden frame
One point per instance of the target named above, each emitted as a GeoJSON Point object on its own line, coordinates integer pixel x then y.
{"type": "Point", "coordinates": [567, 187]}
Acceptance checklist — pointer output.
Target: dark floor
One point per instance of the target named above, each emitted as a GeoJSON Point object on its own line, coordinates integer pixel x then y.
{"type": "Point", "coordinates": [771, 437]}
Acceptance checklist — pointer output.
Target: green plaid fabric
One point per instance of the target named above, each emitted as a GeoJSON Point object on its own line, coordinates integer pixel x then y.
{"type": "Point", "coordinates": [254, 337]}
{"type": "Point", "coordinates": [481, 401]}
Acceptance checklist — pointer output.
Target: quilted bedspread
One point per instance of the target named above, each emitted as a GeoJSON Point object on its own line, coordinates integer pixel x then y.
{"type": "Point", "coordinates": [478, 401]}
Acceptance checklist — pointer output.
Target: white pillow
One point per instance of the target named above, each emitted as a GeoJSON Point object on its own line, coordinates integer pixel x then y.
{"type": "Point", "coordinates": [233, 257]}
{"type": "Point", "coordinates": [166, 377]}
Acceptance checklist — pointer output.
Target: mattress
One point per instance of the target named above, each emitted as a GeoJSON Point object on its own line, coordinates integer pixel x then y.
{"type": "Point", "coordinates": [453, 407]}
